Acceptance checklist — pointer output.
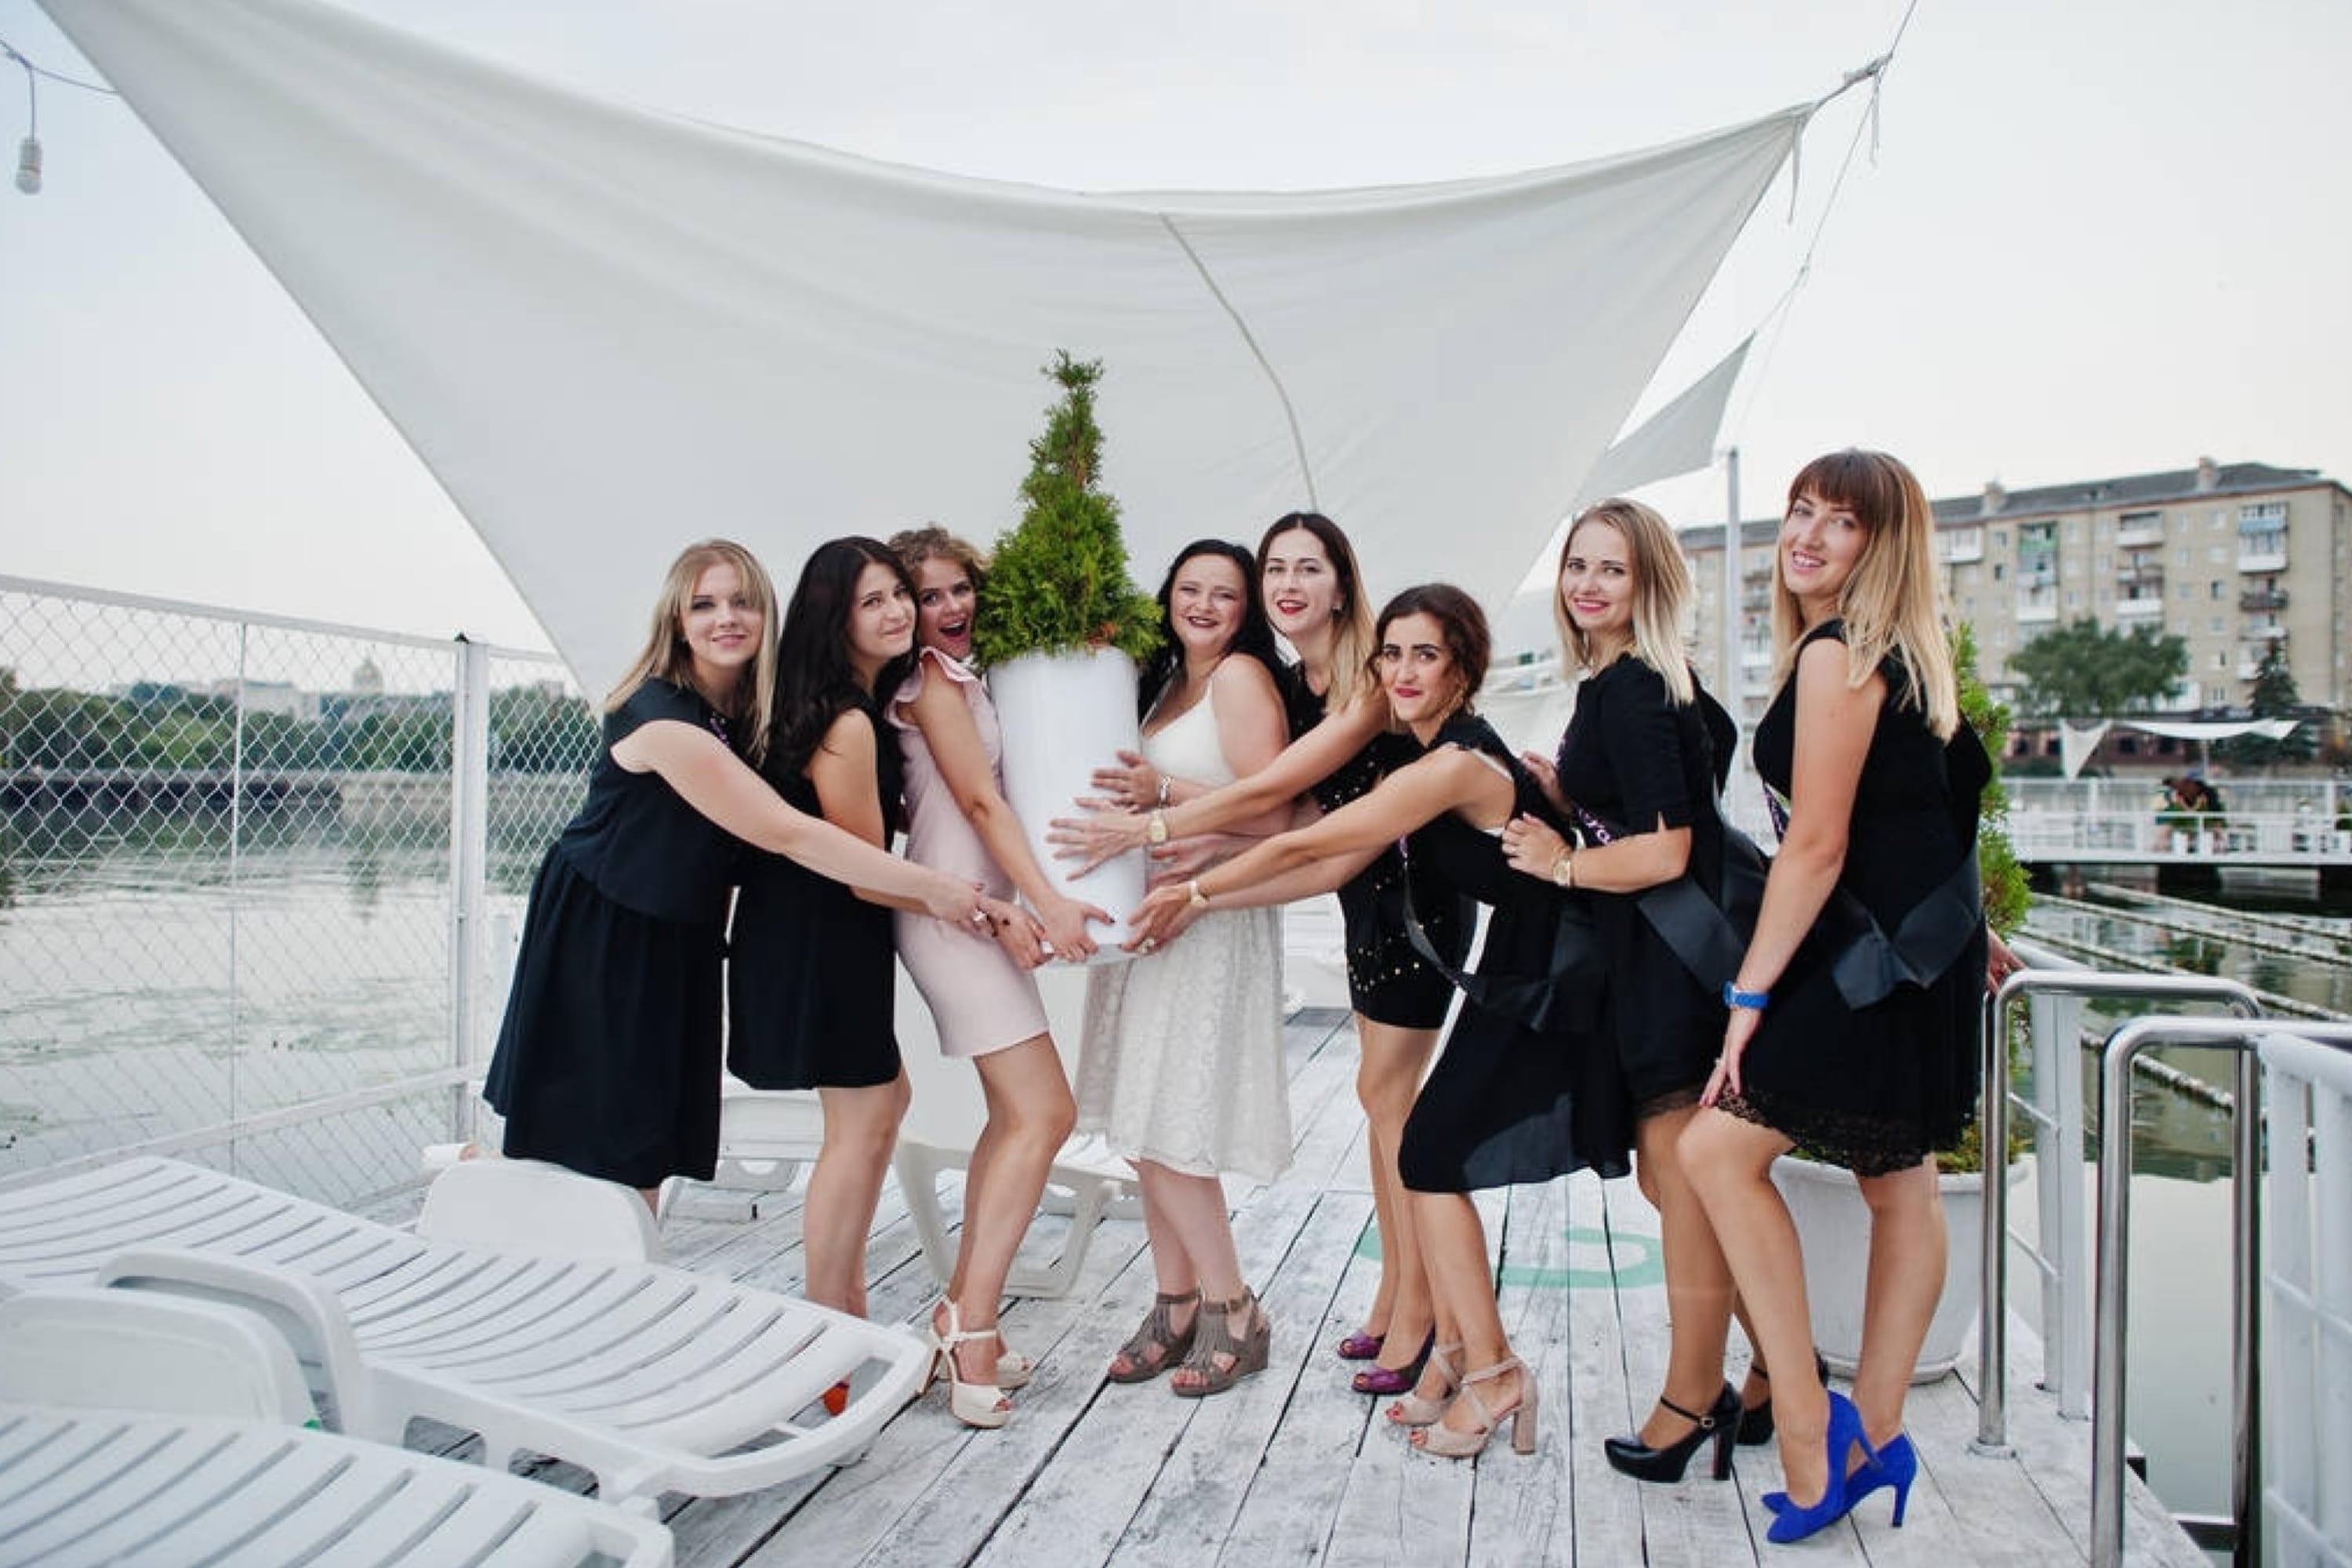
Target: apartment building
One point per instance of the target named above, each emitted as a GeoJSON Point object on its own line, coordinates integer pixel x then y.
{"type": "Point", "coordinates": [2231, 557]}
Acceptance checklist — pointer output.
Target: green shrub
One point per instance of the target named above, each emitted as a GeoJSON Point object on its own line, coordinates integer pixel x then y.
{"type": "Point", "coordinates": [1059, 580]}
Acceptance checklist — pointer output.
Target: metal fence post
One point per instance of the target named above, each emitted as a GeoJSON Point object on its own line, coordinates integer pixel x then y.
{"type": "Point", "coordinates": [470, 754]}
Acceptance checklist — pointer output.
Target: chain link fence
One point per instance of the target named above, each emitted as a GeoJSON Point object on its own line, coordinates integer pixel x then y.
{"type": "Point", "coordinates": [258, 879]}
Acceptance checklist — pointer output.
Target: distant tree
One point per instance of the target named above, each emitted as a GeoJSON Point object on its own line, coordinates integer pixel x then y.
{"type": "Point", "coordinates": [2272, 696]}
{"type": "Point", "coordinates": [2006, 892]}
{"type": "Point", "coordinates": [2087, 671]}
{"type": "Point", "coordinates": [52, 727]}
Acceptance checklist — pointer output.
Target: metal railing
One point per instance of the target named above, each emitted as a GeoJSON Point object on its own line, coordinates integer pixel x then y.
{"type": "Point", "coordinates": [2309, 1280]}
{"type": "Point", "coordinates": [255, 877]}
{"type": "Point", "coordinates": [2254, 1043]}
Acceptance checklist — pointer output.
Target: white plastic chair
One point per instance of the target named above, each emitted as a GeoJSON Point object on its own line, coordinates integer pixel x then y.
{"type": "Point", "coordinates": [138, 1428]}
{"type": "Point", "coordinates": [651, 1378]}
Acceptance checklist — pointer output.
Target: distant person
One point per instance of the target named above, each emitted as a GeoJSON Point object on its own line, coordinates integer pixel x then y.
{"type": "Point", "coordinates": [608, 1059]}
{"type": "Point", "coordinates": [1861, 1046]}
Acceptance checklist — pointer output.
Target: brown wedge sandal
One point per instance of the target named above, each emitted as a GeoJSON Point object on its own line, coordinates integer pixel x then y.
{"type": "Point", "coordinates": [1157, 1347]}
{"type": "Point", "coordinates": [1241, 1356]}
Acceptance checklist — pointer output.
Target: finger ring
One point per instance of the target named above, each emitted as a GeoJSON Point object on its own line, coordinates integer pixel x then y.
{"type": "Point", "coordinates": [1147, 945]}
{"type": "Point", "coordinates": [980, 916]}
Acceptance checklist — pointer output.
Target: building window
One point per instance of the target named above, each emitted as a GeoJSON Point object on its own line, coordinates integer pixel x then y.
{"type": "Point", "coordinates": [2214, 624]}
{"type": "Point", "coordinates": [2216, 589]}
{"type": "Point", "coordinates": [2182, 556]}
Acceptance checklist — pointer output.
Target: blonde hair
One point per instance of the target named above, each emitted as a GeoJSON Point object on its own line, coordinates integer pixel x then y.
{"type": "Point", "coordinates": [753, 702]}
{"type": "Point", "coordinates": [913, 546]}
{"type": "Point", "coordinates": [1662, 588]}
{"type": "Point", "coordinates": [1893, 600]}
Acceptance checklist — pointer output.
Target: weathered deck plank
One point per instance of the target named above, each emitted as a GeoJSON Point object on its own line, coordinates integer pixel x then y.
{"type": "Point", "coordinates": [1293, 1467]}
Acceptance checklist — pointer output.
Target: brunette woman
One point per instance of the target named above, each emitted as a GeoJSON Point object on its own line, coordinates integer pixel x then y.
{"type": "Point", "coordinates": [983, 999]}
{"type": "Point", "coordinates": [1519, 1093]}
{"type": "Point", "coordinates": [1181, 1068]}
{"type": "Point", "coordinates": [1342, 741]}
{"type": "Point", "coordinates": [1859, 1044]}
{"type": "Point", "coordinates": [608, 1060]}
{"type": "Point", "coordinates": [811, 972]}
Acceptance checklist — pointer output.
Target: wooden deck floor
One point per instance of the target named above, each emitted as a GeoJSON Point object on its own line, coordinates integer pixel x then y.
{"type": "Point", "coordinates": [1293, 1467]}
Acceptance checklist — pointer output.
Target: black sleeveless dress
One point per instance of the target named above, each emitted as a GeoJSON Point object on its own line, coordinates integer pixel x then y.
{"type": "Point", "coordinates": [1387, 982]}
{"type": "Point", "coordinates": [607, 1061]}
{"type": "Point", "coordinates": [1525, 1088]}
{"type": "Point", "coordinates": [811, 981]}
{"type": "Point", "coordinates": [1877, 1087]}
{"type": "Point", "coordinates": [1631, 759]}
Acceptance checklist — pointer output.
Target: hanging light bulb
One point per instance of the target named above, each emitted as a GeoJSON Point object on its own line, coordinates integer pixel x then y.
{"type": "Point", "coordinates": [28, 167]}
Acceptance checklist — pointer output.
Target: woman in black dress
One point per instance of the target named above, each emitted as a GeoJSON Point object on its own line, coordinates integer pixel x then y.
{"type": "Point", "coordinates": [608, 1060]}
{"type": "Point", "coordinates": [1637, 775]}
{"type": "Point", "coordinates": [1342, 741]}
{"type": "Point", "coordinates": [1520, 1092]}
{"type": "Point", "coordinates": [811, 977]}
{"type": "Point", "coordinates": [1859, 1044]}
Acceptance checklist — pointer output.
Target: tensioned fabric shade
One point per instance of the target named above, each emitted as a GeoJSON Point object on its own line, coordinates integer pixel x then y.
{"type": "Point", "coordinates": [609, 331]}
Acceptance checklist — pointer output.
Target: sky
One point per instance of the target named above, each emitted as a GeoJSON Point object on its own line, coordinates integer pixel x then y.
{"type": "Point", "coordinates": [2096, 238]}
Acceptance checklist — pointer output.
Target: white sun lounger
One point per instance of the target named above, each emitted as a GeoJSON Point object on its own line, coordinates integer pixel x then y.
{"type": "Point", "coordinates": [652, 1378]}
{"type": "Point", "coordinates": [142, 1429]}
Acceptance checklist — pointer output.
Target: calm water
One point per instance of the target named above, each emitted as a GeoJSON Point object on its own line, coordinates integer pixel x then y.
{"type": "Point", "coordinates": [2179, 1361]}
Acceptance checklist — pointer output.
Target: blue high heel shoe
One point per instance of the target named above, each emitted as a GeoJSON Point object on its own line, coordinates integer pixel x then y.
{"type": "Point", "coordinates": [1897, 1467]}
{"type": "Point", "coordinates": [1794, 1524]}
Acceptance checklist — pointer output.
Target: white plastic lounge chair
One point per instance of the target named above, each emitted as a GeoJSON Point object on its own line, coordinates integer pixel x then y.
{"type": "Point", "coordinates": [944, 1122]}
{"type": "Point", "coordinates": [651, 1378]}
{"type": "Point", "coordinates": [145, 1429]}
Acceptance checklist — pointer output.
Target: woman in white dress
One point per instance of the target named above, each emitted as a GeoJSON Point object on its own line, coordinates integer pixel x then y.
{"type": "Point", "coordinates": [1181, 1066]}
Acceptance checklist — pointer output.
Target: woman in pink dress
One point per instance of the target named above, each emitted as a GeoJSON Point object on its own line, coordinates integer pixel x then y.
{"type": "Point", "coordinates": [983, 999]}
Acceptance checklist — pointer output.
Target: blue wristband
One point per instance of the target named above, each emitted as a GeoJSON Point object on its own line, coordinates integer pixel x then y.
{"type": "Point", "coordinates": [1753, 1001]}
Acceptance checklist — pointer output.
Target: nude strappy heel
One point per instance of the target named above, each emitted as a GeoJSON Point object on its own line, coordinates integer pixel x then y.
{"type": "Point", "coordinates": [980, 1404]}
{"type": "Point", "coordinates": [1413, 1410]}
{"type": "Point", "coordinates": [1452, 1444]}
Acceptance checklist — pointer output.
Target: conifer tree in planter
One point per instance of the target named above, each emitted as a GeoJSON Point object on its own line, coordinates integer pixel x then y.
{"type": "Point", "coordinates": [1059, 629]}
{"type": "Point", "coordinates": [1832, 1222]}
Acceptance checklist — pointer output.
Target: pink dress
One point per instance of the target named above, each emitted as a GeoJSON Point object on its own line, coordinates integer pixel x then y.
{"type": "Point", "coordinates": [981, 1000]}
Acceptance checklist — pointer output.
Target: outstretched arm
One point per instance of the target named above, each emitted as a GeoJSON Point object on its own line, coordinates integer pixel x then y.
{"type": "Point", "coordinates": [717, 783]}
{"type": "Point", "coordinates": [1304, 764]}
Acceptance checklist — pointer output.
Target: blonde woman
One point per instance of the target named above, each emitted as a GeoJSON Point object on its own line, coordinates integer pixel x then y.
{"type": "Point", "coordinates": [1859, 1044]}
{"type": "Point", "coordinates": [1637, 774]}
{"type": "Point", "coordinates": [608, 1060]}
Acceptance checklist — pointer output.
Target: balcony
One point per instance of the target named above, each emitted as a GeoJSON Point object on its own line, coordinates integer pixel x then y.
{"type": "Point", "coordinates": [2144, 606]}
{"type": "Point", "coordinates": [2037, 612]}
{"type": "Point", "coordinates": [1964, 546]}
{"type": "Point", "coordinates": [2142, 577]}
{"type": "Point", "coordinates": [2262, 552]}
{"type": "Point", "coordinates": [2259, 600]}
{"type": "Point", "coordinates": [2139, 535]}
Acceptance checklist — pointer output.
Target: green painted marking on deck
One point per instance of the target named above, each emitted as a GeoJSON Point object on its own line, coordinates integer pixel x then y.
{"type": "Point", "coordinates": [1644, 1262]}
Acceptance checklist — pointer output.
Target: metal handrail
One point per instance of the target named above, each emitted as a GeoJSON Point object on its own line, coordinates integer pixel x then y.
{"type": "Point", "coordinates": [1992, 1330]}
{"type": "Point", "coordinates": [2113, 1289]}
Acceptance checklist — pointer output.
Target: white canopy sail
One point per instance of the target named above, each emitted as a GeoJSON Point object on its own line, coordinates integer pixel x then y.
{"type": "Point", "coordinates": [608, 331]}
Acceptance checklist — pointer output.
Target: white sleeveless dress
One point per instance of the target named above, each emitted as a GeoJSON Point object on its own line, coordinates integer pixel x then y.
{"type": "Point", "coordinates": [1181, 1062]}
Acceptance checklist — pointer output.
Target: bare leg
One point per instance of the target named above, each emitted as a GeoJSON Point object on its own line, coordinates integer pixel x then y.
{"type": "Point", "coordinates": [1388, 1077]}
{"type": "Point", "coordinates": [860, 1127]}
{"type": "Point", "coordinates": [1728, 1162]}
{"type": "Point", "coordinates": [1908, 1259]}
{"type": "Point", "coordinates": [1698, 1281]}
{"type": "Point", "coordinates": [1454, 1245]}
{"type": "Point", "coordinates": [1030, 1113]}
{"type": "Point", "coordinates": [1192, 1244]}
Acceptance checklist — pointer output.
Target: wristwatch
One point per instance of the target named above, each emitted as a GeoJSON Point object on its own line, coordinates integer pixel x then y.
{"type": "Point", "coordinates": [1563, 868]}
{"type": "Point", "coordinates": [1155, 828]}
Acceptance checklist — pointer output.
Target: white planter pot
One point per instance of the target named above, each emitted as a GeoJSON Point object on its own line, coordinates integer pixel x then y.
{"type": "Point", "coordinates": [1065, 715]}
{"type": "Point", "coordinates": [1834, 1227]}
